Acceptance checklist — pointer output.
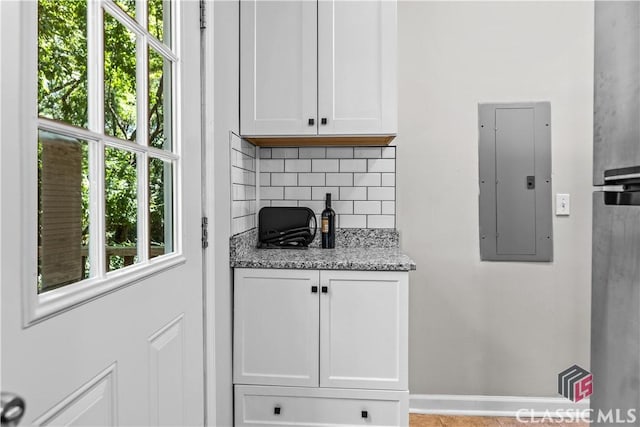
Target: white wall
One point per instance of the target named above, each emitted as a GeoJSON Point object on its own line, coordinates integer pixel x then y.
{"type": "Point", "coordinates": [226, 51]}
{"type": "Point", "coordinates": [481, 327]}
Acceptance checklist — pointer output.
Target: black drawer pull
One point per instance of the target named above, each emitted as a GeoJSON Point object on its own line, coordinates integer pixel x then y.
{"type": "Point", "coordinates": [276, 410]}
{"type": "Point", "coordinates": [312, 122]}
{"type": "Point", "coordinates": [323, 121]}
{"type": "Point", "coordinates": [314, 289]}
{"type": "Point", "coordinates": [325, 289]}
{"type": "Point", "coordinates": [365, 414]}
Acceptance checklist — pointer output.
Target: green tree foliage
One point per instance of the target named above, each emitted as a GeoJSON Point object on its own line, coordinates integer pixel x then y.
{"type": "Point", "coordinates": [62, 95]}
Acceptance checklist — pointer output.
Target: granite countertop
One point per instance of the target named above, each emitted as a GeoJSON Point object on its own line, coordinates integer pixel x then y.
{"type": "Point", "coordinates": [357, 249]}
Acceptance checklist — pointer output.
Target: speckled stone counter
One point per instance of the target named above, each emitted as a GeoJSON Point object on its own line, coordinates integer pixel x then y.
{"type": "Point", "coordinates": [356, 249]}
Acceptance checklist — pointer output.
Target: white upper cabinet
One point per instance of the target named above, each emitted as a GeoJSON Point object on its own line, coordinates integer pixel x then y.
{"type": "Point", "coordinates": [318, 68]}
{"type": "Point", "coordinates": [278, 67]}
{"type": "Point", "coordinates": [357, 43]}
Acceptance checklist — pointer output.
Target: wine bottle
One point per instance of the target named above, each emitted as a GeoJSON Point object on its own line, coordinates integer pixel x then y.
{"type": "Point", "coordinates": [328, 227]}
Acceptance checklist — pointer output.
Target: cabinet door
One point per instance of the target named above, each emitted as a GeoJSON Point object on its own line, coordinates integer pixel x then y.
{"type": "Point", "coordinates": [276, 322]}
{"type": "Point", "coordinates": [278, 67]}
{"type": "Point", "coordinates": [364, 329]}
{"type": "Point", "coordinates": [357, 44]}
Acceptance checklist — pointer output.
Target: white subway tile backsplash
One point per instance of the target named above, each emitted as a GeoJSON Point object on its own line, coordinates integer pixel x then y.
{"type": "Point", "coordinates": [381, 193]}
{"type": "Point", "coordinates": [238, 192]}
{"type": "Point", "coordinates": [340, 179]}
{"type": "Point", "coordinates": [381, 165]}
{"type": "Point", "coordinates": [297, 165]}
{"type": "Point", "coordinates": [388, 208]}
{"type": "Point", "coordinates": [366, 179]}
{"type": "Point", "coordinates": [272, 165]}
{"type": "Point", "coordinates": [250, 192]}
{"type": "Point", "coordinates": [342, 207]}
{"type": "Point", "coordinates": [361, 181]}
{"type": "Point", "coordinates": [353, 193]}
{"type": "Point", "coordinates": [284, 179]}
{"type": "Point", "coordinates": [312, 152]}
{"type": "Point", "coordinates": [320, 193]}
{"type": "Point", "coordinates": [339, 152]}
{"type": "Point", "coordinates": [238, 225]}
{"type": "Point", "coordinates": [388, 179]}
{"type": "Point", "coordinates": [248, 148]}
{"type": "Point", "coordinates": [242, 208]}
{"type": "Point", "coordinates": [271, 193]}
{"type": "Point", "coordinates": [311, 179]}
{"type": "Point", "coordinates": [353, 165]}
{"type": "Point", "coordinates": [325, 165]}
{"type": "Point", "coordinates": [284, 153]}
{"type": "Point", "coordinates": [353, 221]}
{"type": "Point", "coordinates": [265, 153]}
{"type": "Point", "coordinates": [381, 221]}
{"type": "Point", "coordinates": [367, 152]}
{"type": "Point", "coordinates": [297, 193]}
{"type": "Point", "coordinates": [241, 176]}
{"type": "Point", "coordinates": [388, 152]}
{"type": "Point", "coordinates": [264, 204]}
{"type": "Point", "coordinates": [367, 207]}
{"type": "Point", "coordinates": [284, 203]}
{"type": "Point", "coordinates": [316, 206]}
{"type": "Point", "coordinates": [243, 184]}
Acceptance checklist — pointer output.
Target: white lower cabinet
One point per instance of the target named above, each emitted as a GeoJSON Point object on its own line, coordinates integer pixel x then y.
{"type": "Point", "coordinates": [261, 405]}
{"type": "Point", "coordinates": [323, 347]}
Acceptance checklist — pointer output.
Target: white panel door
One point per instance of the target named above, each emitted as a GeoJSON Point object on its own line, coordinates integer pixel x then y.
{"type": "Point", "coordinates": [278, 67]}
{"type": "Point", "coordinates": [276, 317]}
{"type": "Point", "coordinates": [357, 87]}
{"type": "Point", "coordinates": [123, 343]}
{"type": "Point", "coordinates": [364, 329]}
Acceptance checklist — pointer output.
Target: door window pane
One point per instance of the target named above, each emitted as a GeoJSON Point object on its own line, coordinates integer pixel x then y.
{"type": "Point", "coordinates": [160, 20]}
{"type": "Point", "coordinates": [62, 60]}
{"type": "Point", "coordinates": [159, 101]}
{"type": "Point", "coordinates": [63, 211]}
{"type": "Point", "coordinates": [121, 208]}
{"type": "Point", "coordinates": [119, 80]}
{"type": "Point", "coordinates": [128, 6]}
{"type": "Point", "coordinates": [160, 207]}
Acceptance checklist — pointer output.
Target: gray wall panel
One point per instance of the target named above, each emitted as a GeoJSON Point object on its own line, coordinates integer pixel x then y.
{"type": "Point", "coordinates": [514, 146]}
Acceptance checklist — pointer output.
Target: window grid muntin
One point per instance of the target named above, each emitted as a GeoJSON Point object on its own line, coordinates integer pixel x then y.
{"type": "Point", "coordinates": [97, 139]}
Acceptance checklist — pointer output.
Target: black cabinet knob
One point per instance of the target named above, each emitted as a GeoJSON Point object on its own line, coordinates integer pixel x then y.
{"type": "Point", "coordinates": [365, 414]}
{"type": "Point", "coordinates": [325, 289]}
{"type": "Point", "coordinates": [312, 122]}
{"type": "Point", "coordinates": [276, 410]}
{"type": "Point", "coordinates": [323, 121]}
{"type": "Point", "coordinates": [314, 289]}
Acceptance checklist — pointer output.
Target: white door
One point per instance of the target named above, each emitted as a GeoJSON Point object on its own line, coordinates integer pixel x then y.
{"type": "Point", "coordinates": [276, 327]}
{"type": "Point", "coordinates": [364, 329]}
{"type": "Point", "coordinates": [357, 44]}
{"type": "Point", "coordinates": [101, 272]}
{"type": "Point", "coordinates": [278, 75]}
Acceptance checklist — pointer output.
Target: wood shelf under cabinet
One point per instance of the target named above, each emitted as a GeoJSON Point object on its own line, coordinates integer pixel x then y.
{"type": "Point", "coordinates": [307, 141]}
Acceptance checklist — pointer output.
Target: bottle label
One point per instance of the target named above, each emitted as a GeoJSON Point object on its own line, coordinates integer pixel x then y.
{"type": "Point", "coordinates": [325, 225]}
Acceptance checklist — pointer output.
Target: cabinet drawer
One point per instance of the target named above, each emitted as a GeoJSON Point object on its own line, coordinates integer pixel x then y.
{"type": "Point", "coordinates": [260, 405]}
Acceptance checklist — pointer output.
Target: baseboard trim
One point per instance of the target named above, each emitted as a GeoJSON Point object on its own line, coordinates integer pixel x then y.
{"type": "Point", "coordinates": [493, 406]}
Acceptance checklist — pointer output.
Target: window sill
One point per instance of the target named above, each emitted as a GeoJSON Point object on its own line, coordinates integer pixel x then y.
{"type": "Point", "coordinates": [57, 301]}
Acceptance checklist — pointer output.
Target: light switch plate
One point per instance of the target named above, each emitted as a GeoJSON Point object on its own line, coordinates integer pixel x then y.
{"type": "Point", "coordinates": [563, 204]}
